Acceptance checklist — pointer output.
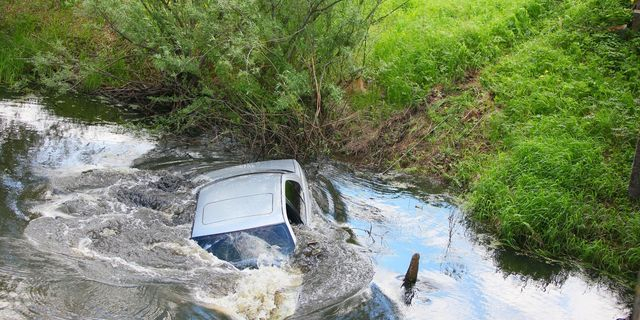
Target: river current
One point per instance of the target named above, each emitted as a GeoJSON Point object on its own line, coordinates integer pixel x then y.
{"type": "Point", "coordinates": [95, 220]}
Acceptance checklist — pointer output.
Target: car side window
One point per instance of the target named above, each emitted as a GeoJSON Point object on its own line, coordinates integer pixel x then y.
{"type": "Point", "coordinates": [295, 203]}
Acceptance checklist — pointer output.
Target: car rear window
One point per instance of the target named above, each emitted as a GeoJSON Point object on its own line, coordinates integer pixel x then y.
{"type": "Point", "coordinates": [249, 248]}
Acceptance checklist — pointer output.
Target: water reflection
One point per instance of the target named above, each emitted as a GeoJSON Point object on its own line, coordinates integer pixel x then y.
{"type": "Point", "coordinates": [94, 265]}
{"type": "Point", "coordinates": [331, 200]}
{"type": "Point", "coordinates": [93, 110]}
{"type": "Point", "coordinates": [47, 142]}
{"type": "Point", "coordinates": [461, 274]}
{"type": "Point", "coordinates": [530, 270]}
{"type": "Point", "coordinates": [16, 181]}
{"type": "Point", "coordinates": [108, 241]}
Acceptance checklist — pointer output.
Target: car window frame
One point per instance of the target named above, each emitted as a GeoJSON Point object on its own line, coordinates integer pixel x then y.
{"type": "Point", "coordinates": [295, 178]}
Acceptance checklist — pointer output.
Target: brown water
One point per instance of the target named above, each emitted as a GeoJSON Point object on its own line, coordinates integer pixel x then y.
{"type": "Point", "coordinates": [95, 219]}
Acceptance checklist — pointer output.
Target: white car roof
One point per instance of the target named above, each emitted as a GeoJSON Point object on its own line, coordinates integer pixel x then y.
{"type": "Point", "coordinates": [283, 166]}
{"type": "Point", "coordinates": [243, 197]}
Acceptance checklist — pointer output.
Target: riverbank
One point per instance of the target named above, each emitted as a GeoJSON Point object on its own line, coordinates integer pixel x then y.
{"type": "Point", "coordinates": [80, 215]}
{"type": "Point", "coordinates": [539, 137]}
{"type": "Point", "coordinates": [529, 108]}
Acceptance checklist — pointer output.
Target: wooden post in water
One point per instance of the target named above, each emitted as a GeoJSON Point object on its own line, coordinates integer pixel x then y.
{"type": "Point", "coordinates": [411, 276]}
{"type": "Point", "coordinates": [634, 184]}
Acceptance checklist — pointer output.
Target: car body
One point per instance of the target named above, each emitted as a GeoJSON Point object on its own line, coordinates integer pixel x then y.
{"type": "Point", "coordinates": [244, 214]}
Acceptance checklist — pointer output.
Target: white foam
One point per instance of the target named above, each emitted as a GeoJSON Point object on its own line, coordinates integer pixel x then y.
{"type": "Point", "coordinates": [191, 250]}
{"type": "Point", "coordinates": [265, 293]}
{"type": "Point", "coordinates": [50, 208]}
{"type": "Point", "coordinates": [83, 249]}
{"type": "Point", "coordinates": [9, 313]}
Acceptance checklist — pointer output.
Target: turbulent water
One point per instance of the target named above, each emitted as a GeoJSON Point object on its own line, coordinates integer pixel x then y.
{"type": "Point", "coordinates": [95, 223]}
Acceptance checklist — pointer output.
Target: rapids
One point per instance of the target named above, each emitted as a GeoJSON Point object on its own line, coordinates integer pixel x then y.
{"type": "Point", "coordinates": [95, 220]}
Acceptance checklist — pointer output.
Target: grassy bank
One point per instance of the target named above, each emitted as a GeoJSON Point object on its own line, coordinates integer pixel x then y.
{"type": "Point", "coordinates": [53, 45]}
{"type": "Point", "coordinates": [530, 107]}
{"type": "Point", "coordinates": [539, 128]}
{"type": "Point", "coordinates": [566, 129]}
{"type": "Point", "coordinates": [438, 42]}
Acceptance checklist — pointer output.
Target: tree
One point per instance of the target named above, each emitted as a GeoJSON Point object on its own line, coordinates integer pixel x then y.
{"type": "Point", "coordinates": [634, 185]}
{"type": "Point", "coordinates": [635, 23]}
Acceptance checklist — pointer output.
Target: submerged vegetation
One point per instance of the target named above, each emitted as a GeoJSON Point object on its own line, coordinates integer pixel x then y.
{"type": "Point", "coordinates": [531, 107]}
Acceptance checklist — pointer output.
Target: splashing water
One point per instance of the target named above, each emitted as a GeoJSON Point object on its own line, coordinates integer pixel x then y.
{"type": "Point", "coordinates": [116, 229]}
{"type": "Point", "coordinates": [85, 235]}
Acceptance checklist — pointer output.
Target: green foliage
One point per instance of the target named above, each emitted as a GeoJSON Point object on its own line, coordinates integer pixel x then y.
{"type": "Point", "coordinates": [567, 128]}
{"type": "Point", "coordinates": [54, 44]}
{"type": "Point", "coordinates": [279, 63]}
{"type": "Point", "coordinates": [252, 58]}
{"type": "Point", "coordinates": [437, 42]}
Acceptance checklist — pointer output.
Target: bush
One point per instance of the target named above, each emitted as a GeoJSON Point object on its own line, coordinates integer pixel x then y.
{"type": "Point", "coordinates": [279, 63]}
{"type": "Point", "coordinates": [275, 68]}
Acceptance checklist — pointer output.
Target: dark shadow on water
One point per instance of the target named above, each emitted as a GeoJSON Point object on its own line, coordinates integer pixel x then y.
{"type": "Point", "coordinates": [542, 273]}
{"type": "Point", "coordinates": [85, 109]}
{"type": "Point", "coordinates": [193, 155]}
{"type": "Point", "coordinates": [530, 269]}
{"type": "Point", "coordinates": [17, 184]}
{"type": "Point", "coordinates": [77, 108]}
{"type": "Point", "coordinates": [336, 206]}
{"type": "Point", "coordinates": [369, 304]}
{"type": "Point", "coordinates": [353, 239]}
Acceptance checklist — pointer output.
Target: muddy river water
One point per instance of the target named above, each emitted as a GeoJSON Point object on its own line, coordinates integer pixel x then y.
{"type": "Point", "coordinates": [95, 219]}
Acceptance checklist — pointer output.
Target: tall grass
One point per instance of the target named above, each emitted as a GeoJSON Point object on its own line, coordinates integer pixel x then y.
{"type": "Point", "coordinates": [548, 157]}
{"type": "Point", "coordinates": [55, 44]}
{"type": "Point", "coordinates": [437, 42]}
{"type": "Point", "coordinates": [566, 131]}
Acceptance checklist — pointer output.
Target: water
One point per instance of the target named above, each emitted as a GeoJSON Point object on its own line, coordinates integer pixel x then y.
{"type": "Point", "coordinates": [95, 220]}
{"type": "Point", "coordinates": [463, 275]}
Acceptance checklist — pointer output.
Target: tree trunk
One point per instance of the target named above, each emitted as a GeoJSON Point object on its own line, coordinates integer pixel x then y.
{"type": "Point", "coordinates": [634, 185]}
{"type": "Point", "coordinates": [636, 304]}
{"type": "Point", "coordinates": [635, 23]}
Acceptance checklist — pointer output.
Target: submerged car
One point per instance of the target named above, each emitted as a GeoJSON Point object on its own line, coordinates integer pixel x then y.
{"type": "Point", "coordinates": [244, 215]}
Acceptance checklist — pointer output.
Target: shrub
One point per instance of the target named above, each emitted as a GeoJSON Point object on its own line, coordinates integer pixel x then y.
{"type": "Point", "coordinates": [279, 63]}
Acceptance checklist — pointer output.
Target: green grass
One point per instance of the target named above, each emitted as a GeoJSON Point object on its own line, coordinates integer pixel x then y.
{"type": "Point", "coordinates": [52, 44]}
{"type": "Point", "coordinates": [566, 131]}
{"type": "Point", "coordinates": [17, 46]}
{"type": "Point", "coordinates": [546, 162]}
{"type": "Point", "coordinates": [437, 42]}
